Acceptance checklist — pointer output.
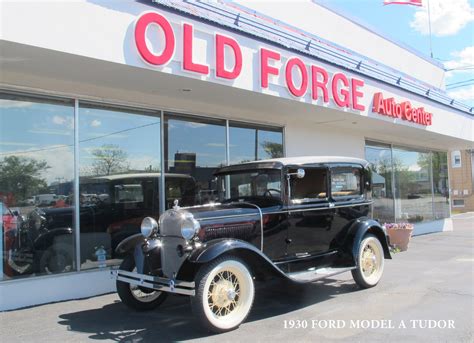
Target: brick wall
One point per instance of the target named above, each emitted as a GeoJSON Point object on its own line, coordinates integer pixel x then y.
{"type": "Point", "coordinates": [461, 182]}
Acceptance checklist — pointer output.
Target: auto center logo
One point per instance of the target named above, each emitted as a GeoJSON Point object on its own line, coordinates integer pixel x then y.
{"type": "Point", "coordinates": [389, 107]}
{"type": "Point", "coordinates": [300, 79]}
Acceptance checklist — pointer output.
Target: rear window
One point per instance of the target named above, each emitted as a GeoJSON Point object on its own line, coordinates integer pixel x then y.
{"type": "Point", "coordinates": [346, 183]}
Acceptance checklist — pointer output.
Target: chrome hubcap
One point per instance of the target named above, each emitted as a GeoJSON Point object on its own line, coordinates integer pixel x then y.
{"type": "Point", "coordinates": [369, 261]}
{"type": "Point", "coordinates": [223, 294]}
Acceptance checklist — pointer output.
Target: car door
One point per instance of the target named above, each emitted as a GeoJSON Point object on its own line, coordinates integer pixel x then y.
{"type": "Point", "coordinates": [310, 214]}
{"type": "Point", "coordinates": [347, 195]}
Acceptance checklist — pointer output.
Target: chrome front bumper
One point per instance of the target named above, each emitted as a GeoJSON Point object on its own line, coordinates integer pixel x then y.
{"type": "Point", "coordinates": [155, 282]}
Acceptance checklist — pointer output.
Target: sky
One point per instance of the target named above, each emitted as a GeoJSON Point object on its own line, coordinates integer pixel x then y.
{"type": "Point", "coordinates": [452, 27]}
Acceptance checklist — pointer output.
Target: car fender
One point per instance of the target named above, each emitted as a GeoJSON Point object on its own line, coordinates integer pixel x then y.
{"type": "Point", "coordinates": [45, 240]}
{"type": "Point", "coordinates": [129, 243]}
{"type": "Point", "coordinates": [356, 234]}
{"type": "Point", "coordinates": [256, 259]}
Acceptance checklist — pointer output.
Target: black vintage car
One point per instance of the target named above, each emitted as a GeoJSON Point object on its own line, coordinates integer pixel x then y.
{"type": "Point", "coordinates": [301, 218]}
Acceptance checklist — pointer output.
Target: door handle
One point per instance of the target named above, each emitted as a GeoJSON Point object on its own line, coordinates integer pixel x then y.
{"type": "Point", "coordinates": [331, 205]}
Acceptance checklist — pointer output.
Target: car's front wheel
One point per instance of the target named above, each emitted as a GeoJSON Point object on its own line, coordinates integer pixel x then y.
{"type": "Point", "coordinates": [370, 264]}
{"type": "Point", "coordinates": [137, 297]}
{"type": "Point", "coordinates": [224, 294]}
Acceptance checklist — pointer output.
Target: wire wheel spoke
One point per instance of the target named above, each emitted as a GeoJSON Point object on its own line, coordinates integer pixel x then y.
{"type": "Point", "coordinates": [223, 293]}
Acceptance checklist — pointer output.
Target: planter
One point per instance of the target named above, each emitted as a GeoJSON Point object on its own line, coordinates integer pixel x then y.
{"type": "Point", "coordinates": [399, 234]}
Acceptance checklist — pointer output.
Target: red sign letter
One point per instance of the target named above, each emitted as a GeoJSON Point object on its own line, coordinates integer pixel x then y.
{"type": "Point", "coordinates": [295, 61]}
{"type": "Point", "coordinates": [323, 84]}
{"type": "Point", "coordinates": [345, 101]}
{"type": "Point", "coordinates": [221, 42]}
{"type": "Point", "coordinates": [140, 41]}
{"type": "Point", "coordinates": [356, 94]}
{"type": "Point", "coordinates": [378, 103]}
{"type": "Point", "coordinates": [265, 69]}
{"type": "Point", "coordinates": [188, 63]}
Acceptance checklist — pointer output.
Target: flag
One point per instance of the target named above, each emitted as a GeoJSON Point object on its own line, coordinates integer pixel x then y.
{"type": "Point", "coordinates": [403, 2]}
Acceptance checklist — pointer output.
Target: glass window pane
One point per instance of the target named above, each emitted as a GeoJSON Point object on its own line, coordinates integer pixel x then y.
{"type": "Point", "coordinates": [270, 144]}
{"type": "Point", "coordinates": [413, 193]}
{"type": "Point", "coordinates": [345, 183]}
{"type": "Point", "coordinates": [194, 149]}
{"type": "Point", "coordinates": [311, 188]}
{"type": "Point", "coordinates": [250, 142]}
{"type": "Point", "coordinates": [440, 185]}
{"type": "Point", "coordinates": [36, 186]}
{"type": "Point", "coordinates": [380, 159]}
{"type": "Point", "coordinates": [119, 178]}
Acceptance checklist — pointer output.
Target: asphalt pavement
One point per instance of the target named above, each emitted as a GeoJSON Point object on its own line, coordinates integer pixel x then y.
{"type": "Point", "coordinates": [426, 294]}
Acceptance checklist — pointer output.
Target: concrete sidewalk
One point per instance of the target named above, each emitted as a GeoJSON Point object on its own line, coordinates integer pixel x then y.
{"type": "Point", "coordinates": [433, 280]}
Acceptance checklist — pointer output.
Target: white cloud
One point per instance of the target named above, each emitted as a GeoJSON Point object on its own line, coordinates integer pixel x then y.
{"type": "Point", "coordinates": [463, 61]}
{"type": "Point", "coordinates": [195, 125]}
{"type": "Point", "coordinates": [59, 120]}
{"type": "Point", "coordinates": [14, 104]}
{"type": "Point", "coordinates": [447, 17]}
{"type": "Point", "coordinates": [64, 121]}
{"type": "Point", "coordinates": [463, 94]}
{"type": "Point", "coordinates": [96, 123]}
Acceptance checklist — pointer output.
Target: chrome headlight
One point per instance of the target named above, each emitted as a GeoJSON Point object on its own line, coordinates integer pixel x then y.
{"type": "Point", "coordinates": [189, 227]}
{"type": "Point", "coordinates": [149, 226]}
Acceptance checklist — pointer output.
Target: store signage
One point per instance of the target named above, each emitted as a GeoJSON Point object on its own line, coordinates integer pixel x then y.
{"type": "Point", "coordinates": [404, 110]}
{"type": "Point", "coordinates": [313, 80]}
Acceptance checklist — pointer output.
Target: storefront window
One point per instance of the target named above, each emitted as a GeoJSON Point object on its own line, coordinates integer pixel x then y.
{"type": "Point", "coordinates": [36, 186]}
{"type": "Point", "coordinates": [119, 178]}
{"type": "Point", "coordinates": [413, 185]}
{"type": "Point", "coordinates": [380, 158]}
{"type": "Point", "coordinates": [440, 185]}
{"type": "Point", "coordinates": [421, 191]}
{"type": "Point", "coordinates": [194, 149]}
{"type": "Point", "coordinates": [250, 143]}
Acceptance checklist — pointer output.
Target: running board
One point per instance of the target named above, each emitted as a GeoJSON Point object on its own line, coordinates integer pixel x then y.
{"type": "Point", "coordinates": [317, 274]}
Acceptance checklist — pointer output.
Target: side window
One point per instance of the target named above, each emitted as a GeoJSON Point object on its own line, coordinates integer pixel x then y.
{"type": "Point", "coordinates": [129, 192]}
{"type": "Point", "coordinates": [311, 188]}
{"type": "Point", "coordinates": [346, 183]}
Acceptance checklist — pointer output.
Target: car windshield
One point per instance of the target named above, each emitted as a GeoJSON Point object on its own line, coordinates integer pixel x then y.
{"type": "Point", "coordinates": [250, 184]}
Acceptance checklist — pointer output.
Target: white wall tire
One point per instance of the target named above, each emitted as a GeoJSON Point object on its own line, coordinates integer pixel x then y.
{"type": "Point", "coordinates": [224, 294]}
{"type": "Point", "coordinates": [370, 262]}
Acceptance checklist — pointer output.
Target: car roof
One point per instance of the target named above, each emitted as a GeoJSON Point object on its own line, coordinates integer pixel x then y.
{"type": "Point", "coordinates": [278, 163]}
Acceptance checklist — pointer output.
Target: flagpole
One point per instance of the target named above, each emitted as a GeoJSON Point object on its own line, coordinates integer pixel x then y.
{"type": "Point", "coordinates": [429, 26]}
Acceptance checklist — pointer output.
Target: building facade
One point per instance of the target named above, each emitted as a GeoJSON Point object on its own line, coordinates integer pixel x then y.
{"type": "Point", "coordinates": [462, 180]}
{"type": "Point", "coordinates": [112, 110]}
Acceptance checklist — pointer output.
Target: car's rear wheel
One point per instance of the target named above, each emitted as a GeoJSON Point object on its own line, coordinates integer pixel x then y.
{"type": "Point", "coordinates": [224, 294]}
{"type": "Point", "coordinates": [137, 297]}
{"type": "Point", "coordinates": [57, 259]}
{"type": "Point", "coordinates": [370, 262]}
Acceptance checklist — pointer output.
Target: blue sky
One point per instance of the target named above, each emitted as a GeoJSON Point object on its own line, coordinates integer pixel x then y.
{"type": "Point", "coordinates": [452, 23]}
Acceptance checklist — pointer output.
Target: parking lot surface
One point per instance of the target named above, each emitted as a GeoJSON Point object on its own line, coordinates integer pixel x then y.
{"type": "Point", "coordinates": [426, 294]}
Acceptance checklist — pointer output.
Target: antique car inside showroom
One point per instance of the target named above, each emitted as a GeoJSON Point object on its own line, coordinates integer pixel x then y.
{"type": "Point", "coordinates": [243, 136]}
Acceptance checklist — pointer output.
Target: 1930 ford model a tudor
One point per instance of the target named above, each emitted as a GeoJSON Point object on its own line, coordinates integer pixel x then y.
{"type": "Point", "coordinates": [301, 218]}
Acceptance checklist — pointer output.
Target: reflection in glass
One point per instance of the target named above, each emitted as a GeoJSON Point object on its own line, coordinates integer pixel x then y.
{"type": "Point", "coordinates": [413, 182]}
{"type": "Point", "coordinates": [194, 149]}
{"type": "Point", "coordinates": [250, 143]}
{"type": "Point", "coordinates": [380, 158]}
{"type": "Point", "coordinates": [119, 179]}
{"type": "Point", "coordinates": [36, 174]}
{"type": "Point", "coordinates": [440, 185]}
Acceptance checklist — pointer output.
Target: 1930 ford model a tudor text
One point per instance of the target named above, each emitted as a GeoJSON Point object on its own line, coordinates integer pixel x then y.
{"type": "Point", "coordinates": [302, 219]}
